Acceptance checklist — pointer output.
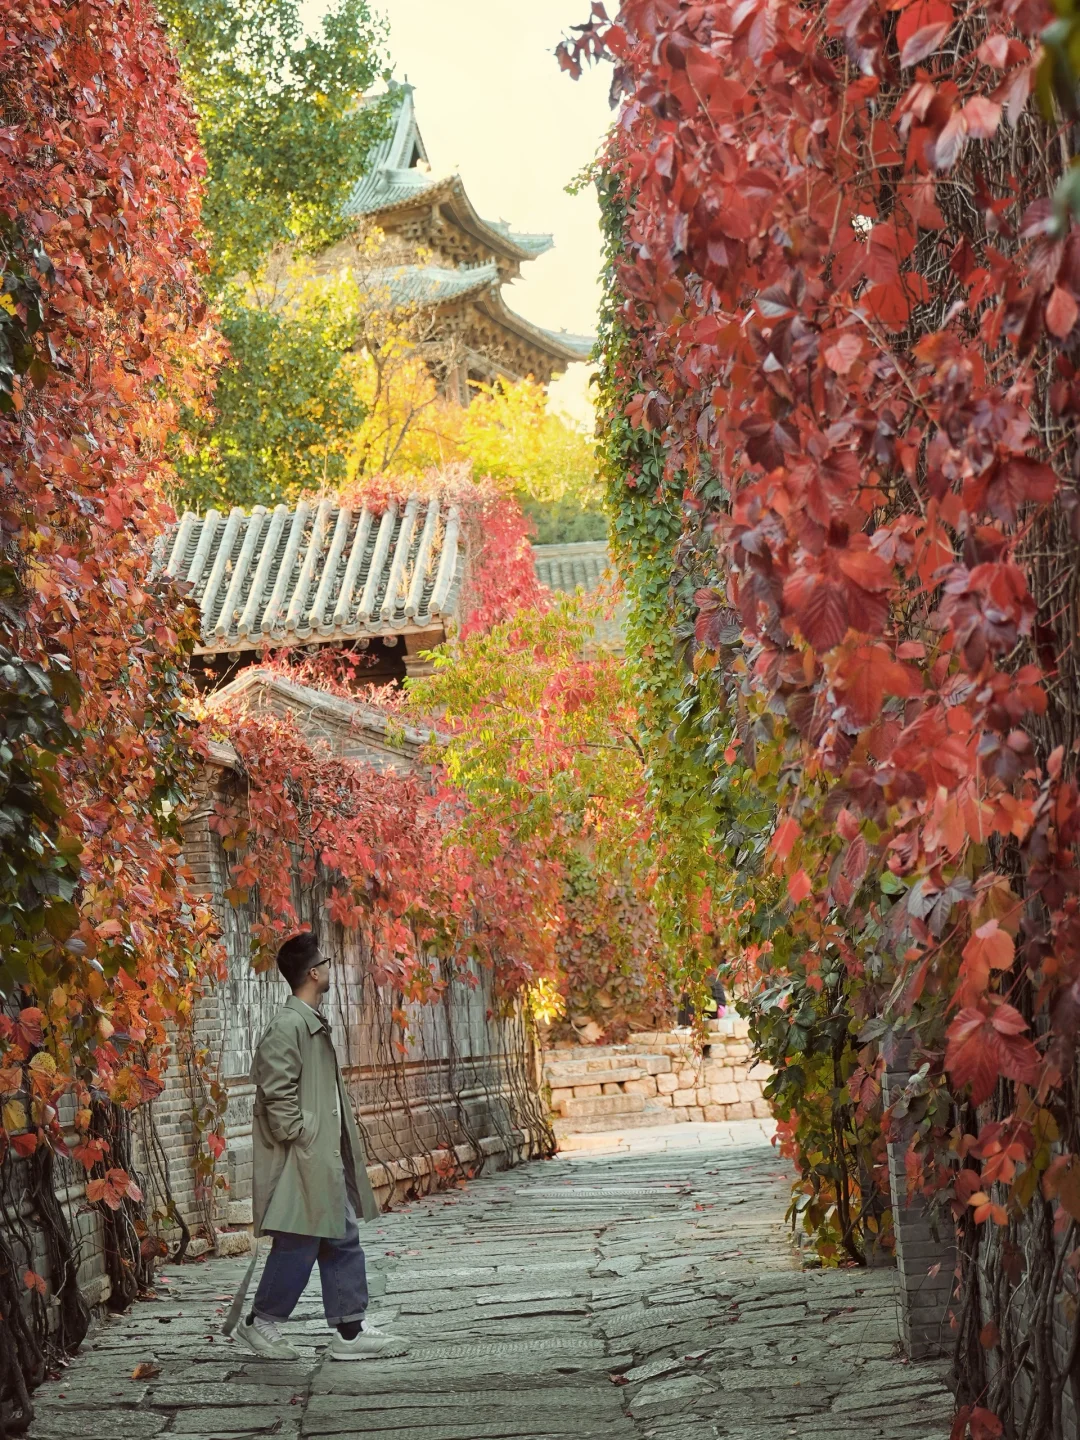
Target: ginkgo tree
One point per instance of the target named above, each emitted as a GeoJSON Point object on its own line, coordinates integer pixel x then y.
{"type": "Point", "coordinates": [538, 731]}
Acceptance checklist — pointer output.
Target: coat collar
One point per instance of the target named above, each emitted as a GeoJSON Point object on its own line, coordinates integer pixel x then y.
{"type": "Point", "coordinates": [312, 1018]}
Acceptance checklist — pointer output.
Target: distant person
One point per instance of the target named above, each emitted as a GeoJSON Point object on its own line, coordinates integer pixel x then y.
{"type": "Point", "coordinates": [310, 1175]}
{"type": "Point", "coordinates": [714, 1008]}
{"type": "Point", "coordinates": [716, 1005]}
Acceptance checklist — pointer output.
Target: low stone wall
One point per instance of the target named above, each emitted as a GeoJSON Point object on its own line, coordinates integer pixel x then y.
{"type": "Point", "coordinates": [657, 1079]}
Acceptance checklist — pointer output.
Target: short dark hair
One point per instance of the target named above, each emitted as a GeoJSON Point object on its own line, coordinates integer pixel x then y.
{"type": "Point", "coordinates": [297, 956]}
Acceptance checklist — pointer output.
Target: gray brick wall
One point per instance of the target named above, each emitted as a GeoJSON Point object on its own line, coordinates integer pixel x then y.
{"type": "Point", "coordinates": [925, 1251]}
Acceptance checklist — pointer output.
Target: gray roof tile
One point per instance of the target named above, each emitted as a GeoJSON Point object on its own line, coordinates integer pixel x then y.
{"type": "Point", "coordinates": [582, 563]}
{"type": "Point", "coordinates": [318, 572]}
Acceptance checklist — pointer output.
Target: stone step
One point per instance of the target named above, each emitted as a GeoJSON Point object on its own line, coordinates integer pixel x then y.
{"type": "Point", "coordinates": [598, 1124]}
{"type": "Point", "coordinates": [565, 1077]}
{"type": "Point", "coordinates": [607, 1105]}
{"type": "Point", "coordinates": [563, 1074]}
{"type": "Point", "coordinates": [574, 1053]}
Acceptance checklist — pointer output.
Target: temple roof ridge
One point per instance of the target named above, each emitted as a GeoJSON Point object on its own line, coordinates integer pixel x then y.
{"type": "Point", "coordinates": [436, 284]}
{"type": "Point", "coordinates": [439, 285]}
{"type": "Point", "coordinates": [393, 179]}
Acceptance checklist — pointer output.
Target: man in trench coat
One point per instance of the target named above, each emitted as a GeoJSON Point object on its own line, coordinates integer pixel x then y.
{"type": "Point", "coordinates": [310, 1173]}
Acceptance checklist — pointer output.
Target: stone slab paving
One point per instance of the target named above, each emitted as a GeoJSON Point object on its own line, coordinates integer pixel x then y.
{"type": "Point", "coordinates": [642, 1288]}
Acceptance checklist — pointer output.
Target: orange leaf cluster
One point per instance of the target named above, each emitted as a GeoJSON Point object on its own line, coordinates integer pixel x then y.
{"type": "Point", "coordinates": [100, 179]}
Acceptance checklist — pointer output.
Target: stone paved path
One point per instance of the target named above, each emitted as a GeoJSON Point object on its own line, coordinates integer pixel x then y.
{"type": "Point", "coordinates": [649, 1292]}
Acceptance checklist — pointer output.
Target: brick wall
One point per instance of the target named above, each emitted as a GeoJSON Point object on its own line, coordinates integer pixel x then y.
{"type": "Point", "coordinates": [925, 1250]}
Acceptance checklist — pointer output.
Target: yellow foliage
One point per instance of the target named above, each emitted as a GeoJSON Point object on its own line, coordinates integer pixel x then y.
{"type": "Point", "coordinates": [546, 1003]}
{"type": "Point", "coordinates": [509, 433]}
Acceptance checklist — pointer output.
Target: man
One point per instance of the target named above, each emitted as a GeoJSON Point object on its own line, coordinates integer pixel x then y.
{"type": "Point", "coordinates": [310, 1173]}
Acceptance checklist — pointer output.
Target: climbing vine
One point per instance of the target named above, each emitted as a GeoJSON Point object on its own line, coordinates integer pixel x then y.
{"type": "Point", "coordinates": [841, 410]}
{"type": "Point", "coordinates": [539, 735]}
{"type": "Point", "coordinates": [104, 946]}
{"type": "Point", "coordinates": [390, 851]}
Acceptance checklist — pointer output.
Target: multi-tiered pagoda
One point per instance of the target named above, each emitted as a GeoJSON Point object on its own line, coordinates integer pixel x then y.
{"type": "Point", "coordinates": [449, 259]}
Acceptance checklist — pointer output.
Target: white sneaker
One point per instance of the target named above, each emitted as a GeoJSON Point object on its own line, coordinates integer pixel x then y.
{"type": "Point", "coordinates": [370, 1344]}
{"type": "Point", "coordinates": [264, 1337]}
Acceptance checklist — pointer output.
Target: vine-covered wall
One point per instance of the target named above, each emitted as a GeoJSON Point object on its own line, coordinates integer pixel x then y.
{"type": "Point", "coordinates": [840, 394]}
{"type": "Point", "coordinates": [442, 1083]}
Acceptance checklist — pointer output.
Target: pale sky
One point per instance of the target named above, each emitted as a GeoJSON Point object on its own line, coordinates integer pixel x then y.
{"type": "Point", "coordinates": [495, 108]}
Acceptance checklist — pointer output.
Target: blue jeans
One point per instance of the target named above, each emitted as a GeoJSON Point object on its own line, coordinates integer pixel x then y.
{"type": "Point", "coordinates": [341, 1270]}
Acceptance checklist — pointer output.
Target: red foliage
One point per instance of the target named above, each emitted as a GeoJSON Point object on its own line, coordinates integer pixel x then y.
{"type": "Point", "coordinates": [99, 206]}
{"type": "Point", "coordinates": [502, 577]}
{"type": "Point", "coordinates": [875, 381]}
{"type": "Point", "coordinates": [387, 851]}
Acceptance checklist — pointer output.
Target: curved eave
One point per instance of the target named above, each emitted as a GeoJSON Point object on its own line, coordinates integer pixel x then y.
{"type": "Point", "coordinates": [451, 193]}
{"type": "Point", "coordinates": [566, 352]}
{"type": "Point", "coordinates": [428, 194]}
{"type": "Point", "coordinates": [281, 638]}
{"type": "Point", "coordinates": [462, 209]}
{"type": "Point", "coordinates": [439, 293]}
{"type": "Point", "coordinates": [287, 639]}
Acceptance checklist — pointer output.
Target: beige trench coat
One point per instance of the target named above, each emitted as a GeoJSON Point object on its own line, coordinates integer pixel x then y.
{"type": "Point", "coordinates": [299, 1177]}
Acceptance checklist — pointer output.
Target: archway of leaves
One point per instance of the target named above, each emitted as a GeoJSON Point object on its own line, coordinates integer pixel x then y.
{"type": "Point", "coordinates": [103, 946]}
{"type": "Point", "coordinates": [841, 394]}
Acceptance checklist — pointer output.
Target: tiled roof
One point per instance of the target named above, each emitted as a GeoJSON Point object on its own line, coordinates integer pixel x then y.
{"type": "Point", "coordinates": [317, 572]}
{"type": "Point", "coordinates": [381, 189]}
{"type": "Point", "coordinates": [350, 728]}
{"type": "Point", "coordinates": [580, 345]}
{"type": "Point", "coordinates": [566, 567]}
{"type": "Point", "coordinates": [565, 347]}
{"type": "Point", "coordinates": [393, 178]}
{"type": "Point", "coordinates": [535, 244]}
{"type": "Point", "coordinates": [392, 174]}
{"type": "Point", "coordinates": [435, 285]}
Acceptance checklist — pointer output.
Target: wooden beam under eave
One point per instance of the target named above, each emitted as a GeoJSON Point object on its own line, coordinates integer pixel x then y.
{"type": "Point", "coordinates": [256, 644]}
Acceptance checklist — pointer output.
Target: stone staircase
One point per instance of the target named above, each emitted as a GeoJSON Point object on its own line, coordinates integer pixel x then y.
{"type": "Point", "coordinates": [656, 1079]}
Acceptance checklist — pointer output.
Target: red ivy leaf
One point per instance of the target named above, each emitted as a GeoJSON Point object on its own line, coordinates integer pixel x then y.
{"type": "Point", "coordinates": [985, 1425]}
{"type": "Point", "coordinates": [33, 1281]}
{"type": "Point", "coordinates": [1061, 312]}
{"type": "Point", "coordinates": [841, 355]}
{"type": "Point", "coordinates": [799, 887]}
{"type": "Point", "coordinates": [784, 837]}
{"type": "Point", "coordinates": [981, 117]}
{"type": "Point", "coordinates": [925, 41]}
{"type": "Point", "coordinates": [983, 1047]}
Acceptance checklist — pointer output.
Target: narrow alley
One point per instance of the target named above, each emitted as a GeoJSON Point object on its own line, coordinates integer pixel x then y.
{"type": "Point", "coordinates": [646, 1288]}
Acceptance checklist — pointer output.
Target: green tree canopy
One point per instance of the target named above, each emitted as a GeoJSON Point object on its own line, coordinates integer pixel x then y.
{"type": "Point", "coordinates": [279, 120]}
{"type": "Point", "coordinates": [286, 136]}
{"type": "Point", "coordinates": [286, 405]}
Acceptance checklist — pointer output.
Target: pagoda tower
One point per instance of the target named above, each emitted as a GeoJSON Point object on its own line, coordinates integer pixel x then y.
{"type": "Point", "coordinates": [443, 257]}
